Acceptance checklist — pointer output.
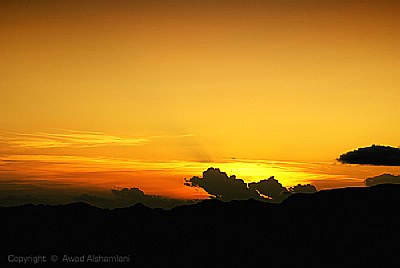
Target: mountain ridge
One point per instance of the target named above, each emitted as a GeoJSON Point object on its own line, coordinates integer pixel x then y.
{"type": "Point", "coordinates": [326, 228]}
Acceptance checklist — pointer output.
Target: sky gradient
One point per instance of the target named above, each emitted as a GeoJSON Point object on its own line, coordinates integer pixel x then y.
{"type": "Point", "coordinates": [146, 93]}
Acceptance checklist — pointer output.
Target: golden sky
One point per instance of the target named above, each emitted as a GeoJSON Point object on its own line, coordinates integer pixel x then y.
{"type": "Point", "coordinates": [196, 83]}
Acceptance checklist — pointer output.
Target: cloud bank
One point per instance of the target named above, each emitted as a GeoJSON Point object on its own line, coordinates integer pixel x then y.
{"type": "Point", "coordinates": [222, 187]}
{"type": "Point", "coordinates": [374, 155]}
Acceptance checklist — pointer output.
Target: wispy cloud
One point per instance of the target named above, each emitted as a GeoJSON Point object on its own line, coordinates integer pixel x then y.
{"type": "Point", "coordinates": [73, 139]}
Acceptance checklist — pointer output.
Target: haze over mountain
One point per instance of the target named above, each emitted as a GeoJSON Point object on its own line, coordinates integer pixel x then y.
{"type": "Point", "coordinates": [215, 182]}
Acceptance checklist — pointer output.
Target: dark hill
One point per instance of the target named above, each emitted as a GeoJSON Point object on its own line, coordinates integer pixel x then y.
{"type": "Point", "coordinates": [349, 227]}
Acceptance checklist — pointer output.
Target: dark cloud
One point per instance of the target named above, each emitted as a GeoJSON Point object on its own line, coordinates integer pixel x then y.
{"type": "Point", "coordinates": [130, 194]}
{"type": "Point", "coordinates": [271, 189]}
{"type": "Point", "coordinates": [222, 187]}
{"type": "Point", "coordinates": [374, 155]}
{"type": "Point", "coordinates": [307, 188]}
{"type": "Point", "coordinates": [382, 179]}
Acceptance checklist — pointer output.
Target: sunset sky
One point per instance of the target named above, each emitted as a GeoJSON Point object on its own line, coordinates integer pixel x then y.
{"type": "Point", "coordinates": [96, 94]}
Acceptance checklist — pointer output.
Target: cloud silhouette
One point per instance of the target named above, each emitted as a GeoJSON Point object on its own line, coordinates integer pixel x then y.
{"type": "Point", "coordinates": [134, 194]}
{"type": "Point", "coordinates": [222, 187]}
{"type": "Point", "coordinates": [271, 189]}
{"type": "Point", "coordinates": [307, 188]}
{"type": "Point", "coordinates": [382, 179]}
{"type": "Point", "coordinates": [374, 155]}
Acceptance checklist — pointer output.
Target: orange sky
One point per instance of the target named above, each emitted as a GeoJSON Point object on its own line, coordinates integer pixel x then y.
{"type": "Point", "coordinates": [195, 83]}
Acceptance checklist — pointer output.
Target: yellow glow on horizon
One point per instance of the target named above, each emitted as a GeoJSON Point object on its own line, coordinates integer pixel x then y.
{"type": "Point", "coordinates": [166, 178]}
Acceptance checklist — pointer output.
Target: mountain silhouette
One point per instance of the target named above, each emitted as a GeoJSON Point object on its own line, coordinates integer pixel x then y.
{"type": "Point", "coordinates": [348, 227]}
